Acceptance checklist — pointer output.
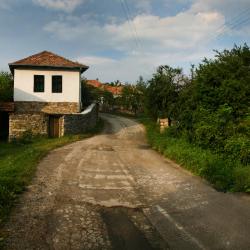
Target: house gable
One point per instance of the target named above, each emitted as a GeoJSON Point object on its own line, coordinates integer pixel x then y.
{"type": "Point", "coordinates": [36, 79]}
{"type": "Point", "coordinates": [47, 60]}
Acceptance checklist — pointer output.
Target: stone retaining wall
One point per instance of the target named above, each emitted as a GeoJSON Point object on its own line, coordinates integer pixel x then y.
{"type": "Point", "coordinates": [80, 123]}
{"type": "Point", "coordinates": [47, 107]}
{"type": "Point", "coordinates": [23, 119]}
{"type": "Point", "coordinates": [37, 123]}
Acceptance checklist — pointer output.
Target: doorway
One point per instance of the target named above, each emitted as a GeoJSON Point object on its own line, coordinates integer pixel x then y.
{"type": "Point", "coordinates": [4, 126]}
{"type": "Point", "coordinates": [54, 126]}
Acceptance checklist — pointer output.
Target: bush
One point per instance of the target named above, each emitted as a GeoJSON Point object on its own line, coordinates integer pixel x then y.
{"type": "Point", "coordinates": [238, 146]}
{"type": "Point", "coordinates": [219, 172]}
{"type": "Point", "coordinates": [242, 179]}
{"type": "Point", "coordinates": [225, 172]}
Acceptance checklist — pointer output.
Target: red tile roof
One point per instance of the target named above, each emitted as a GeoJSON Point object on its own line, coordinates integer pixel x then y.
{"type": "Point", "coordinates": [115, 90]}
{"type": "Point", "coordinates": [48, 59]}
{"type": "Point", "coordinates": [94, 83]}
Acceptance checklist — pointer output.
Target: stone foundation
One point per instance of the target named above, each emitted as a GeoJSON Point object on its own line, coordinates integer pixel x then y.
{"type": "Point", "coordinates": [47, 107]}
{"type": "Point", "coordinates": [36, 123]}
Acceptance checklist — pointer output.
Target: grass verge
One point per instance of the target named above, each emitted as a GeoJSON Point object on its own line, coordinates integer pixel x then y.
{"type": "Point", "coordinates": [18, 163]}
{"type": "Point", "coordinates": [224, 173]}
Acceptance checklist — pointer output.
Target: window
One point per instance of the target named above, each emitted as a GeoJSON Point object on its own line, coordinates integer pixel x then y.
{"type": "Point", "coordinates": [56, 84]}
{"type": "Point", "coordinates": [38, 83]}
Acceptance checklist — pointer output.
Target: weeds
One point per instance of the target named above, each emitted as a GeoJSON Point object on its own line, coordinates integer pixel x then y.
{"type": "Point", "coordinates": [224, 172]}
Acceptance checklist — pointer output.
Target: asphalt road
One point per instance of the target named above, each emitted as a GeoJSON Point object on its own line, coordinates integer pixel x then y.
{"type": "Point", "coordinates": [113, 192]}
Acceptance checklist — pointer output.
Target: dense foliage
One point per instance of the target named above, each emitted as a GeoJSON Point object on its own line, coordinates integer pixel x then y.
{"type": "Point", "coordinates": [6, 87]}
{"type": "Point", "coordinates": [209, 111]}
{"type": "Point", "coordinates": [133, 96]}
{"type": "Point", "coordinates": [223, 172]}
{"type": "Point", "coordinates": [162, 92]}
{"type": "Point", "coordinates": [211, 108]}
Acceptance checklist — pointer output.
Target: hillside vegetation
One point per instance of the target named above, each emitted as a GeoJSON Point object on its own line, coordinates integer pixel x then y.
{"type": "Point", "coordinates": [209, 116]}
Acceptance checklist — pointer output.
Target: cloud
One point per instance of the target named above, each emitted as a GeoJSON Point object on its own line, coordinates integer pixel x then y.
{"type": "Point", "coordinates": [95, 60]}
{"type": "Point", "coordinates": [126, 69]}
{"type": "Point", "coordinates": [151, 41]}
{"type": "Point", "coordinates": [236, 14]}
{"type": "Point", "coordinates": [64, 5]}
{"type": "Point", "coordinates": [130, 67]}
{"type": "Point", "coordinates": [185, 30]}
{"type": "Point", "coordinates": [225, 6]}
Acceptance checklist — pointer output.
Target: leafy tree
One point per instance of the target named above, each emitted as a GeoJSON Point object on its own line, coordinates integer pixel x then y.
{"type": "Point", "coordinates": [116, 83]}
{"type": "Point", "coordinates": [133, 96]}
{"type": "Point", "coordinates": [162, 92]}
{"type": "Point", "coordinates": [6, 86]}
{"type": "Point", "coordinates": [225, 80]}
{"type": "Point", "coordinates": [213, 107]}
{"type": "Point", "coordinates": [86, 93]}
{"type": "Point", "coordinates": [107, 98]}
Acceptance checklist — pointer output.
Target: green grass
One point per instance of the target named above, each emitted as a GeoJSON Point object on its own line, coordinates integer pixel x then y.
{"type": "Point", "coordinates": [18, 164]}
{"type": "Point", "coordinates": [224, 173]}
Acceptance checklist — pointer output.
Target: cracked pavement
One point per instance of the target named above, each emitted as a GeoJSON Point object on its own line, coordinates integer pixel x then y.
{"type": "Point", "coordinates": [112, 191]}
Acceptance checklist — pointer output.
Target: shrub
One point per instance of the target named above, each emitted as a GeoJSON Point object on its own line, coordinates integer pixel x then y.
{"type": "Point", "coordinates": [219, 172]}
{"type": "Point", "coordinates": [221, 169]}
{"type": "Point", "coordinates": [238, 146]}
{"type": "Point", "coordinates": [242, 179]}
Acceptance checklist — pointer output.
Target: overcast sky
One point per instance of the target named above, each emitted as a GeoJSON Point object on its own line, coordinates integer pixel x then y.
{"type": "Point", "coordinates": [122, 39]}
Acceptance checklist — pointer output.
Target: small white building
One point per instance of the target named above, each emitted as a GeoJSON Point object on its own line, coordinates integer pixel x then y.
{"type": "Point", "coordinates": [46, 88]}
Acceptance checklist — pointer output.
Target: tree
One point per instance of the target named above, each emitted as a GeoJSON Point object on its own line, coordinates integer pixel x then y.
{"type": "Point", "coordinates": [6, 86]}
{"type": "Point", "coordinates": [133, 96]}
{"type": "Point", "coordinates": [162, 92]}
{"type": "Point", "coordinates": [213, 107]}
{"type": "Point", "coordinates": [86, 93]}
{"type": "Point", "coordinates": [225, 80]}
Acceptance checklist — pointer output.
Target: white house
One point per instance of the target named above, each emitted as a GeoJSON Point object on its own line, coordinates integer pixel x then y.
{"type": "Point", "coordinates": [46, 88]}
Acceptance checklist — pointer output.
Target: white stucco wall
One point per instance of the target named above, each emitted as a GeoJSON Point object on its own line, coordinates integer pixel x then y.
{"type": "Point", "coordinates": [24, 86]}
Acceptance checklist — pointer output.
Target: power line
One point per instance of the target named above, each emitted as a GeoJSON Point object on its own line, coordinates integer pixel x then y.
{"type": "Point", "coordinates": [242, 22]}
{"type": "Point", "coordinates": [234, 19]}
{"type": "Point", "coordinates": [235, 22]}
{"type": "Point", "coordinates": [135, 33]}
{"type": "Point", "coordinates": [129, 23]}
{"type": "Point", "coordinates": [245, 21]}
{"type": "Point", "coordinates": [133, 24]}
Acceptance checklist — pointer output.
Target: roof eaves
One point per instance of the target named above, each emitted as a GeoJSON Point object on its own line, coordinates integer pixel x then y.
{"type": "Point", "coordinates": [12, 66]}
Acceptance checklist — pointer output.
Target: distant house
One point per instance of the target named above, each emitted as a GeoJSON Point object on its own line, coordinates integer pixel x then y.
{"type": "Point", "coordinates": [115, 90]}
{"type": "Point", "coordinates": [95, 83]}
{"type": "Point", "coordinates": [47, 92]}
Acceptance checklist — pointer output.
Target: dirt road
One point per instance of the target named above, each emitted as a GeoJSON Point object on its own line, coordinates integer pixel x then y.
{"type": "Point", "coordinates": [113, 192]}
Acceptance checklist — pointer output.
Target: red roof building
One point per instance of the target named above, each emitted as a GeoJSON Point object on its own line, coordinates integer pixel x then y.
{"type": "Point", "coordinates": [47, 59]}
{"type": "Point", "coordinates": [94, 83]}
{"type": "Point", "coordinates": [115, 90]}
